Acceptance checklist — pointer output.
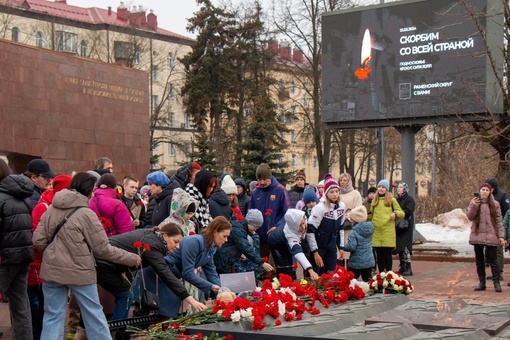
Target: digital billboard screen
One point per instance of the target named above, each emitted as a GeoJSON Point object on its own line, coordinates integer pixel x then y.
{"type": "Point", "coordinates": [410, 62]}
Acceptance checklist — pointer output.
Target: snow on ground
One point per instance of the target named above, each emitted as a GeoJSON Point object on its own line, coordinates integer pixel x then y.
{"type": "Point", "coordinates": [436, 235]}
{"type": "Point", "coordinates": [450, 229]}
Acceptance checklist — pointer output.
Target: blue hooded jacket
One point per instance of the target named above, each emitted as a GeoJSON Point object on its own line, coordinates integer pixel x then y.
{"type": "Point", "coordinates": [359, 244]}
{"type": "Point", "coordinates": [273, 197]}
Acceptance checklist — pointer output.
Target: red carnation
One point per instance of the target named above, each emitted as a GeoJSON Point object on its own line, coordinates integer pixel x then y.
{"type": "Point", "coordinates": [295, 265]}
{"type": "Point", "coordinates": [140, 203]}
{"type": "Point", "coordinates": [147, 247]}
{"type": "Point", "coordinates": [268, 212]}
{"type": "Point", "coordinates": [191, 233]}
{"type": "Point", "coordinates": [265, 259]}
{"type": "Point", "coordinates": [278, 322]}
{"type": "Point", "coordinates": [138, 244]}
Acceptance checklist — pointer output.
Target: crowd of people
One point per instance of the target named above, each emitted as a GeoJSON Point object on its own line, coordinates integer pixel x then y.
{"type": "Point", "coordinates": [99, 241]}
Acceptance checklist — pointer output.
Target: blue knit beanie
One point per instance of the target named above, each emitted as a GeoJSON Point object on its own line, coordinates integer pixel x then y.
{"type": "Point", "coordinates": [159, 178]}
{"type": "Point", "coordinates": [385, 183]}
{"type": "Point", "coordinates": [309, 195]}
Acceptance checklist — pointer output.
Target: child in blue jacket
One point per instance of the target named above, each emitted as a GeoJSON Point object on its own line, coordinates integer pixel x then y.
{"type": "Point", "coordinates": [359, 244]}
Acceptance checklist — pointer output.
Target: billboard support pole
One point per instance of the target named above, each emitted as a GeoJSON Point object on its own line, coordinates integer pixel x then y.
{"type": "Point", "coordinates": [407, 134]}
{"type": "Point", "coordinates": [380, 154]}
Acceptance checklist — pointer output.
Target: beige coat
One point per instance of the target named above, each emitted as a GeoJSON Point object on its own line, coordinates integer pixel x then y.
{"type": "Point", "coordinates": [69, 258]}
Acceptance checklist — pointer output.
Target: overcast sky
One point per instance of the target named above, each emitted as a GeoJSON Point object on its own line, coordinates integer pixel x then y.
{"type": "Point", "coordinates": [172, 14]}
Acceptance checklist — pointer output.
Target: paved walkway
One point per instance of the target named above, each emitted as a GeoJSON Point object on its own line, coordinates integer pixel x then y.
{"type": "Point", "coordinates": [432, 280]}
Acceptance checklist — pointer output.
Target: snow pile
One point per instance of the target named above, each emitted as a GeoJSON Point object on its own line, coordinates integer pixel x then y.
{"type": "Point", "coordinates": [451, 230]}
{"type": "Point", "coordinates": [455, 219]}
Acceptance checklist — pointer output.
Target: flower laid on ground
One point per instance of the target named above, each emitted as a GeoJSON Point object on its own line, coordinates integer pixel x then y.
{"type": "Point", "coordinates": [390, 283]}
{"type": "Point", "coordinates": [282, 299]}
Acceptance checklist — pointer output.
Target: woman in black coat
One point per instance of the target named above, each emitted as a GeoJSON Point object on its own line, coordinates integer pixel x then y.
{"type": "Point", "coordinates": [159, 241]}
{"type": "Point", "coordinates": [405, 239]}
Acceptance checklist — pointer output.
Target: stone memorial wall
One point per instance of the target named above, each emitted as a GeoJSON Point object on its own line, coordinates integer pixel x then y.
{"type": "Point", "coordinates": [70, 111]}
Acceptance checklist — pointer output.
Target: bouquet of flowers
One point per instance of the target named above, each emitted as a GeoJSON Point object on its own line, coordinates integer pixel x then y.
{"type": "Point", "coordinates": [390, 283]}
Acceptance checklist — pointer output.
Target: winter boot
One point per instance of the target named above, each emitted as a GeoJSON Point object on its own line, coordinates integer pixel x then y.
{"type": "Point", "coordinates": [401, 267]}
{"type": "Point", "coordinates": [481, 286]}
{"type": "Point", "coordinates": [407, 270]}
{"type": "Point", "coordinates": [495, 277]}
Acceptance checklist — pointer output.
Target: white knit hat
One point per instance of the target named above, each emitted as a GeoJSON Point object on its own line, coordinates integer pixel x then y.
{"type": "Point", "coordinates": [228, 185]}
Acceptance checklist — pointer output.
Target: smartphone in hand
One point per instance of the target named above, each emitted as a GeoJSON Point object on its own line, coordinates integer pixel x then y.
{"type": "Point", "coordinates": [477, 195]}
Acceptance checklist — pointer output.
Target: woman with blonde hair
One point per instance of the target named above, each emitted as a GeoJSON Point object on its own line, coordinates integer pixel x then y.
{"type": "Point", "coordinates": [352, 199]}
{"type": "Point", "coordinates": [487, 234]}
{"type": "Point", "coordinates": [384, 211]}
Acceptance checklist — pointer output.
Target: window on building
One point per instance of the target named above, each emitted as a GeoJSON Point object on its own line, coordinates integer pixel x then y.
{"type": "Point", "coordinates": [294, 160]}
{"type": "Point", "coordinates": [293, 87]}
{"type": "Point", "coordinates": [67, 41]}
{"type": "Point", "coordinates": [185, 149]}
{"type": "Point", "coordinates": [281, 86]}
{"type": "Point", "coordinates": [170, 60]}
{"type": "Point", "coordinates": [171, 91]}
{"type": "Point", "coordinates": [84, 49]}
{"type": "Point", "coordinates": [304, 101]}
{"type": "Point", "coordinates": [155, 101]}
{"type": "Point", "coordinates": [303, 159]}
{"type": "Point", "coordinates": [171, 119]}
{"type": "Point", "coordinates": [155, 73]}
{"type": "Point", "coordinates": [283, 135]}
{"type": "Point", "coordinates": [315, 162]}
{"type": "Point", "coordinates": [293, 109]}
{"type": "Point", "coordinates": [187, 121]}
{"type": "Point", "coordinates": [39, 39]}
{"type": "Point", "coordinates": [171, 149]}
{"type": "Point", "coordinates": [138, 58]}
{"type": "Point", "coordinates": [15, 34]}
{"type": "Point", "coordinates": [293, 136]}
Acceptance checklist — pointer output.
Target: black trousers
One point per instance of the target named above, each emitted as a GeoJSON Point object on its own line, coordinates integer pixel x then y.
{"type": "Point", "coordinates": [490, 257]}
{"type": "Point", "coordinates": [384, 258]}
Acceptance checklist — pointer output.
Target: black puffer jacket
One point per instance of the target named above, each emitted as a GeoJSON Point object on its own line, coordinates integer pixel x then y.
{"type": "Point", "coordinates": [154, 258]}
{"type": "Point", "coordinates": [219, 205]}
{"type": "Point", "coordinates": [296, 194]}
{"type": "Point", "coordinates": [16, 220]}
{"type": "Point", "coordinates": [243, 198]}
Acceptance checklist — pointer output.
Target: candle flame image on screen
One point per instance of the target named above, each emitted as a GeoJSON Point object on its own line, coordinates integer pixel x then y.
{"type": "Point", "coordinates": [366, 48]}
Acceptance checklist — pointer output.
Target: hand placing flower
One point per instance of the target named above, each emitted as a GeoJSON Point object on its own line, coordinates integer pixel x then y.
{"type": "Point", "coordinates": [141, 247]}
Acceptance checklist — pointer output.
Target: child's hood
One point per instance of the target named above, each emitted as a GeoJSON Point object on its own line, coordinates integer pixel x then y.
{"type": "Point", "coordinates": [365, 229]}
{"type": "Point", "coordinates": [180, 202]}
{"type": "Point", "coordinates": [293, 218]}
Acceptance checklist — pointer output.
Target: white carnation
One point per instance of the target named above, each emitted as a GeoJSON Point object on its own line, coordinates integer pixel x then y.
{"type": "Point", "coordinates": [236, 316]}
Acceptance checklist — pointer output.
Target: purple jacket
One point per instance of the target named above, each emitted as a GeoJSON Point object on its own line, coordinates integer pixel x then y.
{"type": "Point", "coordinates": [113, 209]}
{"type": "Point", "coordinates": [273, 197]}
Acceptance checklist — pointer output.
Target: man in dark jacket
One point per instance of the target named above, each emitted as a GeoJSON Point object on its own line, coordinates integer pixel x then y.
{"type": "Point", "coordinates": [296, 193]}
{"type": "Point", "coordinates": [270, 197]}
{"type": "Point", "coordinates": [16, 251]}
{"type": "Point", "coordinates": [39, 172]}
{"type": "Point", "coordinates": [504, 202]}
